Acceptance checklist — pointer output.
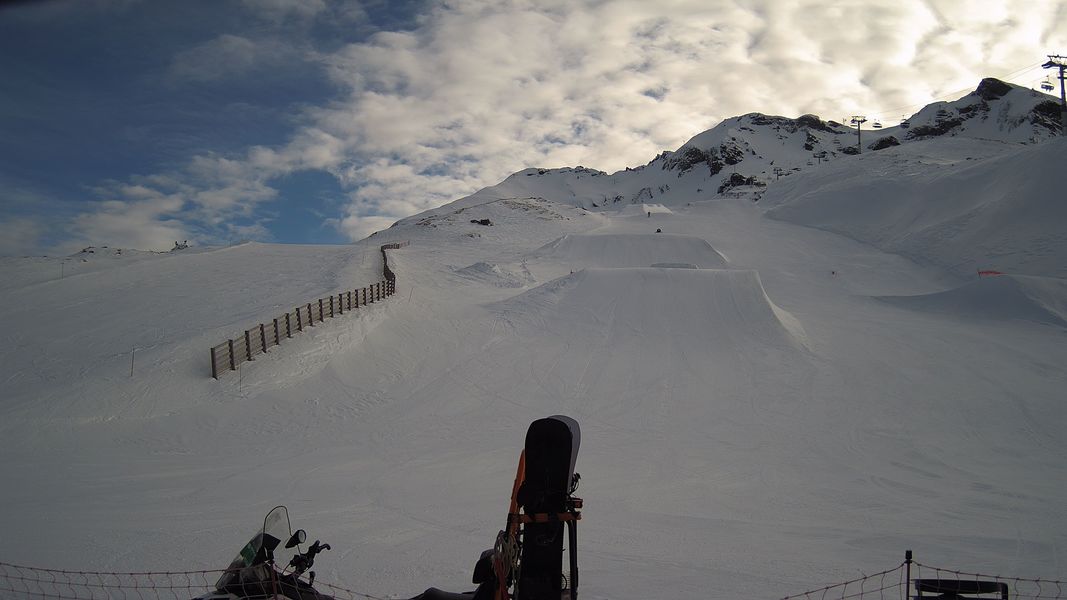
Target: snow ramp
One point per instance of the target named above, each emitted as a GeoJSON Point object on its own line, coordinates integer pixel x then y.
{"type": "Point", "coordinates": [643, 210]}
{"type": "Point", "coordinates": [1003, 297]}
{"type": "Point", "coordinates": [617, 250]}
{"type": "Point", "coordinates": [693, 310]}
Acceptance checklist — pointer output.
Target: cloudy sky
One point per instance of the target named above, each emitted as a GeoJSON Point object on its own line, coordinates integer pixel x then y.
{"type": "Point", "coordinates": [137, 123]}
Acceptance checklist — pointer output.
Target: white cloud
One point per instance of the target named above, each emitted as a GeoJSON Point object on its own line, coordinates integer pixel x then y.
{"type": "Point", "coordinates": [146, 224]}
{"type": "Point", "coordinates": [230, 55]}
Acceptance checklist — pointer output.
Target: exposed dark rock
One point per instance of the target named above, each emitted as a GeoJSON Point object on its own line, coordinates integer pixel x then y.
{"type": "Point", "coordinates": [814, 122]}
{"type": "Point", "coordinates": [760, 119]}
{"type": "Point", "coordinates": [738, 180]}
{"type": "Point", "coordinates": [485, 222]}
{"type": "Point", "coordinates": [943, 125]}
{"type": "Point", "coordinates": [884, 143]}
{"type": "Point", "coordinates": [644, 194]}
{"type": "Point", "coordinates": [731, 153]}
{"type": "Point", "coordinates": [1047, 115]}
{"type": "Point", "coordinates": [1048, 108]}
{"type": "Point", "coordinates": [714, 158]}
{"type": "Point", "coordinates": [686, 160]}
{"type": "Point", "coordinates": [991, 89]}
{"type": "Point", "coordinates": [850, 150]}
{"type": "Point", "coordinates": [939, 128]}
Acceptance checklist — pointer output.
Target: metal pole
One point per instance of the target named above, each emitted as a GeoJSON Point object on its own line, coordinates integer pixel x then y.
{"type": "Point", "coordinates": [907, 576]}
{"type": "Point", "coordinates": [1055, 62]}
{"type": "Point", "coordinates": [1063, 102]}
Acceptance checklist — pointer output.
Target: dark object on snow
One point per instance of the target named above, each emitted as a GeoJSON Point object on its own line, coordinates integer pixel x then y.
{"type": "Point", "coordinates": [738, 180]}
{"type": "Point", "coordinates": [485, 222]}
{"type": "Point", "coordinates": [955, 588]}
{"type": "Point", "coordinates": [884, 143]}
{"type": "Point", "coordinates": [257, 571]}
{"type": "Point", "coordinates": [532, 543]}
{"type": "Point", "coordinates": [551, 449]}
{"type": "Point", "coordinates": [659, 230]}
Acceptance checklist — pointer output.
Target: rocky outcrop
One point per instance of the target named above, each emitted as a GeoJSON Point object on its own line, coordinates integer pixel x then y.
{"type": "Point", "coordinates": [884, 143]}
{"type": "Point", "coordinates": [991, 89]}
{"type": "Point", "coordinates": [739, 180]}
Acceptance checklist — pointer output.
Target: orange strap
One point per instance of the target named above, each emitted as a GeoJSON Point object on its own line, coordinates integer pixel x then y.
{"type": "Point", "coordinates": [545, 517]}
{"type": "Point", "coordinates": [512, 530]}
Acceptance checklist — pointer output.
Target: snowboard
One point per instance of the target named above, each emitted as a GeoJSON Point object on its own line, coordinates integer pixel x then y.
{"type": "Point", "coordinates": [544, 496]}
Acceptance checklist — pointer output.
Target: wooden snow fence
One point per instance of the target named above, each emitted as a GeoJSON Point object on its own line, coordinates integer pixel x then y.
{"type": "Point", "coordinates": [252, 342]}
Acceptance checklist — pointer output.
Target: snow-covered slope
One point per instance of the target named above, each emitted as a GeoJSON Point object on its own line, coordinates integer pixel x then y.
{"type": "Point", "coordinates": [757, 426]}
{"type": "Point", "coordinates": [960, 204]}
{"type": "Point", "coordinates": [1004, 297]}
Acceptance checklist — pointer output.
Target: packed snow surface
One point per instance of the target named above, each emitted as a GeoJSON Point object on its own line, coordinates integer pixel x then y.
{"type": "Point", "coordinates": [791, 418]}
{"type": "Point", "coordinates": [630, 250]}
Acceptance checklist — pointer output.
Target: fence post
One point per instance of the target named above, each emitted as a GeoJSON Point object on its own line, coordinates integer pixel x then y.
{"type": "Point", "coordinates": [233, 363]}
{"type": "Point", "coordinates": [907, 576]}
{"type": "Point", "coordinates": [277, 333]}
{"type": "Point", "coordinates": [263, 337]}
{"type": "Point", "coordinates": [299, 320]}
{"type": "Point", "coordinates": [288, 326]}
{"type": "Point", "coordinates": [340, 303]}
{"type": "Point", "coordinates": [214, 366]}
{"type": "Point", "coordinates": [248, 344]}
{"type": "Point", "coordinates": [322, 313]}
{"type": "Point", "coordinates": [311, 316]}
{"type": "Point", "coordinates": [331, 306]}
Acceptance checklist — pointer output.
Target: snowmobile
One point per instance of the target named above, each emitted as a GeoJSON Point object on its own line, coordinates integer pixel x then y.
{"type": "Point", "coordinates": [254, 573]}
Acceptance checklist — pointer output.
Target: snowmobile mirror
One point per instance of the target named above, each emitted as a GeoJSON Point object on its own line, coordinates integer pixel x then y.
{"type": "Point", "coordinates": [298, 538]}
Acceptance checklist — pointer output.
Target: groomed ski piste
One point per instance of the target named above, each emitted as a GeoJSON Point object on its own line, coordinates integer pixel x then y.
{"type": "Point", "coordinates": [801, 388]}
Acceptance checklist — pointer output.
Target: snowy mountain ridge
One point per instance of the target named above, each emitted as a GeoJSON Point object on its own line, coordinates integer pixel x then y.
{"type": "Point", "coordinates": [750, 153]}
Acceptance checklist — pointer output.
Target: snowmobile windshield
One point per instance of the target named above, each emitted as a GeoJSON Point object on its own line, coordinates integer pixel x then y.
{"type": "Point", "coordinates": [266, 545]}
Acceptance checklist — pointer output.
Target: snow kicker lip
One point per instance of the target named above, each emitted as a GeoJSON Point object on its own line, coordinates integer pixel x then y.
{"type": "Point", "coordinates": [1003, 297]}
{"type": "Point", "coordinates": [620, 250]}
{"type": "Point", "coordinates": [656, 305]}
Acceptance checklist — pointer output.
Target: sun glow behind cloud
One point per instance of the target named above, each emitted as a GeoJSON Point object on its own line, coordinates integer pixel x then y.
{"type": "Point", "coordinates": [477, 90]}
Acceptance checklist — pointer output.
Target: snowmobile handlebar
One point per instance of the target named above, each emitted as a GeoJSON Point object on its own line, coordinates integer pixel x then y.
{"type": "Point", "coordinates": [303, 562]}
